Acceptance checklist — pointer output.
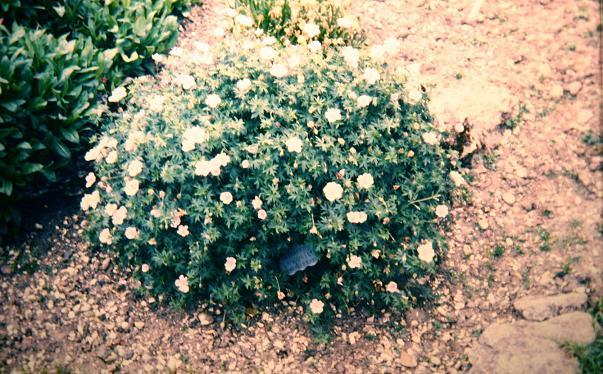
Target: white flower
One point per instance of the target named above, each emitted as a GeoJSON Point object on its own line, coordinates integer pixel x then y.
{"type": "Point", "coordinates": [212, 100]}
{"type": "Point", "coordinates": [135, 168]}
{"type": "Point", "coordinates": [177, 51]}
{"type": "Point", "coordinates": [186, 81]}
{"type": "Point", "coordinates": [363, 101]}
{"type": "Point", "coordinates": [269, 40]}
{"type": "Point", "coordinates": [392, 287]}
{"type": "Point", "coordinates": [226, 197]}
{"type": "Point", "coordinates": [365, 181]}
{"type": "Point", "coordinates": [93, 154]}
{"type": "Point", "coordinates": [257, 203]}
{"type": "Point", "coordinates": [105, 237]}
{"type": "Point", "coordinates": [110, 209]}
{"type": "Point", "coordinates": [311, 29]}
{"type": "Point", "coordinates": [316, 306]}
{"type": "Point", "coordinates": [333, 191]}
{"type": "Point", "coordinates": [243, 86]}
{"type": "Point", "coordinates": [158, 58]}
{"type": "Point", "coordinates": [426, 252]}
{"type": "Point", "coordinates": [90, 179]}
{"type": "Point", "coordinates": [90, 201]}
{"type": "Point", "coordinates": [415, 95]}
{"type": "Point", "coordinates": [356, 217]}
{"type": "Point", "coordinates": [155, 212]}
{"type": "Point", "coordinates": [182, 284]}
{"type": "Point", "coordinates": [156, 103]}
{"type": "Point", "coordinates": [430, 138]}
{"type": "Point", "coordinates": [267, 53]}
{"type": "Point", "coordinates": [230, 264]}
{"type": "Point", "coordinates": [333, 115]}
{"type": "Point", "coordinates": [345, 22]}
{"type": "Point", "coordinates": [221, 159]}
{"type": "Point", "coordinates": [354, 262]}
{"type": "Point", "coordinates": [218, 32]}
{"type": "Point", "coordinates": [132, 233]}
{"type": "Point", "coordinates": [191, 136]}
{"type": "Point", "coordinates": [351, 56]}
{"type": "Point", "coordinates": [131, 187]}
{"type": "Point", "coordinates": [145, 268]}
{"type": "Point", "coordinates": [370, 75]}
{"type": "Point", "coordinates": [262, 214]}
{"type": "Point", "coordinates": [245, 164]}
{"type": "Point", "coordinates": [441, 211]}
{"type": "Point", "coordinates": [315, 46]}
{"type": "Point", "coordinates": [294, 61]}
{"type": "Point", "coordinates": [119, 216]}
{"type": "Point", "coordinates": [118, 94]}
{"type": "Point", "coordinates": [244, 20]}
{"type": "Point", "coordinates": [294, 144]}
{"type": "Point", "coordinates": [279, 70]}
{"type": "Point", "coordinates": [183, 230]}
{"type": "Point", "coordinates": [457, 178]}
{"type": "Point", "coordinates": [111, 157]}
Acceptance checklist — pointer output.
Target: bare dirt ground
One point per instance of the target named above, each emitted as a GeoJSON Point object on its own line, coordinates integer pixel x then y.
{"type": "Point", "coordinates": [529, 223]}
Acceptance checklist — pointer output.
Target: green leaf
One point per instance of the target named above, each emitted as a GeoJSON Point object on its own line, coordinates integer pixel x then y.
{"type": "Point", "coordinates": [133, 57]}
{"type": "Point", "coordinates": [12, 106]}
{"type": "Point", "coordinates": [24, 145]}
{"type": "Point", "coordinates": [6, 187]}
{"type": "Point", "coordinates": [60, 10]}
{"type": "Point", "coordinates": [70, 135]}
{"type": "Point", "coordinates": [140, 27]}
{"type": "Point", "coordinates": [2, 147]}
{"type": "Point", "coordinates": [49, 174]}
{"type": "Point", "coordinates": [30, 168]}
{"type": "Point", "coordinates": [61, 149]}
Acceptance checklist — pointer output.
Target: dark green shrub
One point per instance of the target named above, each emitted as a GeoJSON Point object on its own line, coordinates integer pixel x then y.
{"type": "Point", "coordinates": [47, 88]}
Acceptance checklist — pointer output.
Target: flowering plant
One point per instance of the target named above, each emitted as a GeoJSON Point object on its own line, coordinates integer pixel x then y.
{"type": "Point", "coordinates": [211, 176]}
{"type": "Point", "coordinates": [301, 22]}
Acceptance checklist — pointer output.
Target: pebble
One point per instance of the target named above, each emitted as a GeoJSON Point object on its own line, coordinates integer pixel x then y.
{"type": "Point", "coordinates": [556, 91]}
{"type": "Point", "coordinates": [105, 264]}
{"type": "Point", "coordinates": [139, 325]}
{"type": "Point", "coordinates": [408, 360]}
{"type": "Point", "coordinates": [574, 88]}
{"type": "Point", "coordinates": [205, 319]}
{"type": "Point", "coordinates": [483, 223]}
{"type": "Point", "coordinates": [585, 115]}
{"type": "Point", "coordinates": [508, 198]}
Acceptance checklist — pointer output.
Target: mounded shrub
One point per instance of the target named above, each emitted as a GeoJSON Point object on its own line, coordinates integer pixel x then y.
{"type": "Point", "coordinates": [301, 22]}
{"type": "Point", "coordinates": [211, 179]}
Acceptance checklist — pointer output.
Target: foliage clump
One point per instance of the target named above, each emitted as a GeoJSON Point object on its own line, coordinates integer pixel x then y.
{"type": "Point", "coordinates": [211, 176]}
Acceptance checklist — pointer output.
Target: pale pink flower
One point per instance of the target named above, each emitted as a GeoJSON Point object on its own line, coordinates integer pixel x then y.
{"type": "Point", "coordinates": [356, 217]}
{"type": "Point", "coordinates": [371, 75]}
{"type": "Point", "coordinates": [213, 100]}
{"type": "Point", "coordinates": [90, 201]}
{"type": "Point", "coordinates": [182, 284]}
{"type": "Point", "coordinates": [311, 29]}
{"type": "Point", "coordinates": [183, 231]}
{"type": "Point", "coordinates": [118, 94]}
{"type": "Point", "coordinates": [345, 22]}
{"type": "Point", "coordinates": [145, 268]}
{"type": "Point", "coordinates": [119, 216]}
{"type": "Point", "coordinates": [278, 71]}
{"type": "Point", "coordinates": [131, 187]}
{"type": "Point", "coordinates": [105, 237]}
{"type": "Point", "coordinates": [132, 233]}
{"type": "Point", "coordinates": [392, 287]}
{"type": "Point", "coordinates": [90, 179]}
{"type": "Point", "coordinates": [226, 197]}
{"type": "Point", "coordinates": [365, 181]}
{"type": "Point", "coordinates": [135, 168]}
{"type": "Point", "coordinates": [354, 262]}
{"type": "Point", "coordinates": [363, 101]}
{"type": "Point", "coordinates": [426, 252]}
{"type": "Point", "coordinates": [110, 209]}
{"type": "Point", "coordinates": [333, 191]}
{"type": "Point", "coordinates": [294, 144]}
{"type": "Point", "coordinates": [430, 138]}
{"type": "Point", "coordinates": [316, 306]}
{"type": "Point", "coordinates": [245, 164]}
{"type": "Point", "coordinates": [111, 157]}
{"type": "Point", "coordinates": [262, 214]}
{"type": "Point", "coordinates": [333, 115]}
{"type": "Point", "coordinates": [230, 264]}
{"type": "Point", "coordinates": [257, 203]}
{"type": "Point", "coordinates": [441, 211]}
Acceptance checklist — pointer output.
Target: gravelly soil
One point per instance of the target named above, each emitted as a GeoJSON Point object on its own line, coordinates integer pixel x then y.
{"type": "Point", "coordinates": [537, 194]}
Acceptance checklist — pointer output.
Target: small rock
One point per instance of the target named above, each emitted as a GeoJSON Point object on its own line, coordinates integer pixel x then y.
{"type": "Point", "coordinates": [544, 307]}
{"type": "Point", "coordinates": [585, 115]}
{"type": "Point", "coordinates": [556, 91]}
{"type": "Point", "coordinates": [408, 360]}
{"type": "Point", "coordinates": [508, 198]}
{"type": "Point", "coordinates": [483, 223]}
{"type": "Point", "coordinates": [574, 88]}
{"type": "Point", "coordinates": [139, 325]}
{"type": "Point", "coordinates": [39, 226]}
{"type": "Point", "coordinates": [105, 264]}
{"type": "Point", "coordinates": [205, 319]}
{"type": "Point", "coordinates": [353, 337]}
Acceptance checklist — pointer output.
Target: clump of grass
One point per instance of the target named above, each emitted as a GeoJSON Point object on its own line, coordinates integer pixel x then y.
{"type": "Point", "coordinates": [498, 251]}
{"type": "Point", "coordinates": [590, 356]}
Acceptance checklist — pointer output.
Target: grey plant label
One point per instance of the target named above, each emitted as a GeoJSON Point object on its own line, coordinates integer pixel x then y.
{"type": "Point", "coordinates": [297, 258]}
